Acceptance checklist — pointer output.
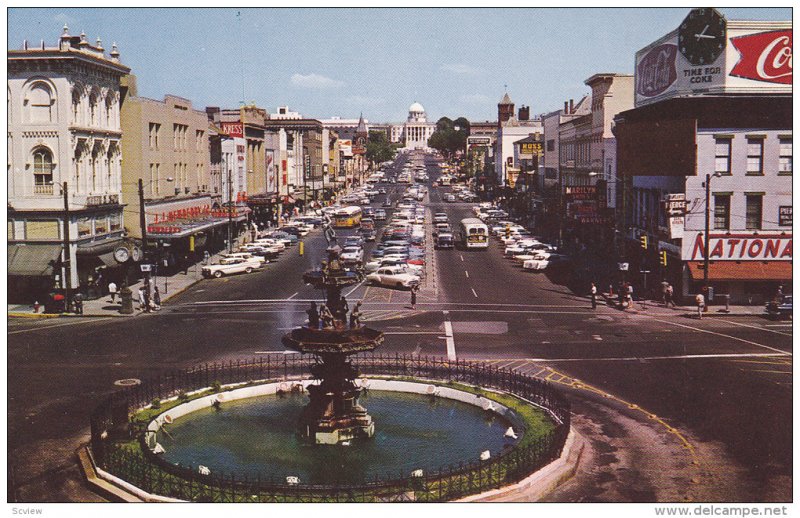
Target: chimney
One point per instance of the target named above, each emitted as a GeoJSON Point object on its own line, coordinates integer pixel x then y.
{"type": "Point", "coordinates": [571, 107]}
{"type": "Point", "coordinates": [566, 108]}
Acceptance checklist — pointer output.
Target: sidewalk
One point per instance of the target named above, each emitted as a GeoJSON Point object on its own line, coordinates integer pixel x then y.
{"type": "Point", "coordinates": [103, 307]}
{"type": "Point", "coordinates": [656, 308]}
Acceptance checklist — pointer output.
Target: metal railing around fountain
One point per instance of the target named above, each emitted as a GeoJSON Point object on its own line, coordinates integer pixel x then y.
{"type": "Point", "coordinates": [114, 452]}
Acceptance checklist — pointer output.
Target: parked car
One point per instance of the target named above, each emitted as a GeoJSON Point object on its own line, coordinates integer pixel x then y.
{"type": "Point", "coordinates": [395, 276]}
{"type": "Point", "coordinates": [540, 264]}
{"type": "Point", "coordinates": [231, 266]}
{"type": "Point", "coordinates": [449, 197]}
{"type": "Point", "coordinates": [780, 310]}
{"type": "Point", "coordinates": [352, 254]}
{"type": "Point", "coordinates": [368, 235]}
{"type": "Point", "coordinates": [242, 255]}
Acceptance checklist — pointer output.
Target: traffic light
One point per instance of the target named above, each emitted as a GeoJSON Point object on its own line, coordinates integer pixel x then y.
{"type": "Point", "coordinates": [663, 255]}
{"type": "Point", "coordinates": [643, 240]}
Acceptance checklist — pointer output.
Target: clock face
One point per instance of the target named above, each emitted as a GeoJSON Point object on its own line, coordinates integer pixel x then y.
{"type": "Point", "coordinates": [121, 254]}
{"type": "Point", "coordinates": [702, 36]}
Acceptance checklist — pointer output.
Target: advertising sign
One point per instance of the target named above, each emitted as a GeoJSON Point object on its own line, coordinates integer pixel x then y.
{"type": "Point", "coordinates": [738, 247]}
{"type": "Point", "coordinates": [580, 192]}
{"type": "Point", "coordinates": [747, 57]}
{"type": "Point", "coordinates": [785, 215]}
{"type": "Point", "coordinates": [676, 224]}
{"type": "Point", "coordinates": [478, 141]}
{"type": "Point", "coordinates": [346, 147]}
{"type": "Point", "coordinates": [234, 129]}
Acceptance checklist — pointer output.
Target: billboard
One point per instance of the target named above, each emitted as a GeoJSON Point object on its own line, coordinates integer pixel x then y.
{"type": "Point", "coordinates": [744, 57]}
{"type": "Point", "coordinates": [725, 246]}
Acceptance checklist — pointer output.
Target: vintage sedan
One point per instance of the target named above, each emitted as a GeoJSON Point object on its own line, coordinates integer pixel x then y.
{"type": "Point", "coordinates": [395, 276]}
{"type": "Point", "coordinates": [540, 264]}
{"type": "Point", "coordinates": [230, 266]}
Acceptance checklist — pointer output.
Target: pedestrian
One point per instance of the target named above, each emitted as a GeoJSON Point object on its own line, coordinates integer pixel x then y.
{"type": "Point", "coordinates": [630, 295]}
{"type": "Point", "coordinates": [668, 296]}
{"type": "Point", "coordinates": [112, 290]}
{"type": "Point", "coordinates": [147, 299]}
{"type": "Point", "coordinates": [664, 286]}
{"type": "Point", "coordinates": [77, 300]}
{"type": "Point", "coordinates": [355, 316]}
{"type": "Point", "coordinates": [594, 296]}
{"type": "Point", "coordinates": [779, 295]}
{"type": "Point", "coordinates": [414, 290]}
{"type": "Point", "coordinates": [156, 298]}
{"type": "Point", "coordinates": [700, 300]}
{"type": "Point", "coordinates": [141, 298]}
{"type": "Point", "coordinates": [313, 316]}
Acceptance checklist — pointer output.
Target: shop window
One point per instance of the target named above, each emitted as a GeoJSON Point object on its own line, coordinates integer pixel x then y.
{"type": "Point", "coordinates": [101, 225]}
{"type": "Point", "coordinates": [753, 211]}
{"type": "Point", "coordinates": [722, 211]}
{"type": "Point", "coordinates": [10, 230]}
{"type": "Point", "coordinates": [722, 155]}
{"type": "Point", "coordinates": [84, 227]}
{"type": "Point", "coordinates": [114, 222]}
{"type": "Point", "coordinates": [785, 158]}
{"type": "Point", "coordinates": [755, 156]}
{"type": "Point", "coordinates": [41, 229]}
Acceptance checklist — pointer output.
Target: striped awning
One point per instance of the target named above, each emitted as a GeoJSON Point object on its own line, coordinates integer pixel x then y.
{"type": "Point", "coordinates": [31, 259]}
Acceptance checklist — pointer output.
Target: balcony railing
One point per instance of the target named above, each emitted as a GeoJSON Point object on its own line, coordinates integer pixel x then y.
{"type": "Point", "coordinates": [43, 189]}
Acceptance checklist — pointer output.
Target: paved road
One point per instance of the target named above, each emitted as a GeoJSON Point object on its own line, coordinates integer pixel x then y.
{"type": "Point", "coordinates": [641, 384]}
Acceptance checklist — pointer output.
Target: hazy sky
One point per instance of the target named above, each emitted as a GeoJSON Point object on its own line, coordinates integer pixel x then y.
{"type": "Point", "coordinates": [340, 62]}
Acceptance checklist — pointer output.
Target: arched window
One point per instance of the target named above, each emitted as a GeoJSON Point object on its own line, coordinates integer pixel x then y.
{"type": "Point", "coordinates": [93, 109]}
{"type": "Point", "coordinates": [40, 103]}
{"type": "Point", "coordinates": [42, 170]}
{"type": "Point", "coordinates": [109, 111]}
{"type": "Point", "coordinates": [76, 106]}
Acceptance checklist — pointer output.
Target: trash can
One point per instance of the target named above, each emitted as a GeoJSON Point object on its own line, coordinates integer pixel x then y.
{"type": "Point", "coordinates": [126, 298]}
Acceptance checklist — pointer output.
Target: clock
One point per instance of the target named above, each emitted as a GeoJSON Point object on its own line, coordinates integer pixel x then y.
{"type": "Point", "coordinates": [702, 36]}
{"type": "Point", "coordinates": [121, 254]}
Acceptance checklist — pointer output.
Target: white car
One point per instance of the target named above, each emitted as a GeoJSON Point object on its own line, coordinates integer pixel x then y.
{"type": "Point", "coordinates": [395, 276]}
{"type": "Point", "coordinates": [231, 266]}
{"type": "Point", "coordinates": [542, 263]}
{"type": "Point", "coordinates": [352, 254]}
{"type": "Point", "coordinates": [246, 252]}
{"type": "Point", "coordinates": [381, 262]}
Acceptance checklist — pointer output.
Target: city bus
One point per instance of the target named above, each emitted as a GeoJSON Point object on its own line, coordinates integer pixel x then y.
{"type": "Point", "coordinates": [474, 233]}
{"type": "Point", "coordinates": [347, 217]}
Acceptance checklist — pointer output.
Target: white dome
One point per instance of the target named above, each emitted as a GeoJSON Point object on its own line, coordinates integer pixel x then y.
{"type": "Point", "coordinates": [416, 107]}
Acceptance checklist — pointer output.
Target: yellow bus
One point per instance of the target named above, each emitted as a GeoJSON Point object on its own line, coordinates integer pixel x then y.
{"type": "Point", "coordinates": [347, 217]}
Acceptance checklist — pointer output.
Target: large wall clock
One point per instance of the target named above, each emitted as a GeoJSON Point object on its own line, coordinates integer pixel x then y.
{"type": "Point", "coordinates": [702, 36]}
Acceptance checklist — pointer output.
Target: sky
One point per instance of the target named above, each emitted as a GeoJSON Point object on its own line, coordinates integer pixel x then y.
{"type": "Point", "coordinates": [345, 61]}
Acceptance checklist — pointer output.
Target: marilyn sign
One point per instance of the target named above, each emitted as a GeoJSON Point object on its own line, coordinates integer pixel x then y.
{"type": "Point", "coordinates": [738, 247]}
{"type": "Point", "coordinates": [757, 59]}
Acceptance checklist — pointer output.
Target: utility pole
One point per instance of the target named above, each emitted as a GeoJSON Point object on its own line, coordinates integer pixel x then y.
{"type": "Point", "coordinates": [67, 251]}
{"type": "Point", "coordinates": [705, 241]}
{"type": "Point", "coordinates": [142, 217]}
{"type": "Point", "coordinates": [230, 205]}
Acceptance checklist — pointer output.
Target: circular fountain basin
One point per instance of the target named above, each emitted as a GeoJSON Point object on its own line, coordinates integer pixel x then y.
{"type": "Point", "coordinates": [414, 430]}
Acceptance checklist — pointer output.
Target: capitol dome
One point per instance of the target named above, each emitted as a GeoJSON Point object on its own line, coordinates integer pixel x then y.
{"type": "Point", "coordinates": [416, 107]}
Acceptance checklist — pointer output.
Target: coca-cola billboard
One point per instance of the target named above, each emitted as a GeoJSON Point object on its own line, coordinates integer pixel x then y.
{"type": "Point", "coordinates": [656, 70]}
{"type": "Point", "coordinates": [766, 56]}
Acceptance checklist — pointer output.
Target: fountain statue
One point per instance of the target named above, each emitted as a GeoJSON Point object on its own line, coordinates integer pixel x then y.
{"type": "Point", "coordinates": [333, 414]}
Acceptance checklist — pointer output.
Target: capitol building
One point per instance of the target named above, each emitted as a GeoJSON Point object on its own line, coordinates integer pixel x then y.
{"type": "Point", "coordinates": [415, 131]}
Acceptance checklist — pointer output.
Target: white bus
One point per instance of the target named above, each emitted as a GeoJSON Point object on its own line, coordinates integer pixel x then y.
{"type": "Point", "coordinates": [474, 233]}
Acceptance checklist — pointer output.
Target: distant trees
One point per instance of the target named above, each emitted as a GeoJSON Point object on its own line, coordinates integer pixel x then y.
{"type": "Point", "coordinates": [379, 149]}
{"type": "Point", "coordinates": [450, 136]}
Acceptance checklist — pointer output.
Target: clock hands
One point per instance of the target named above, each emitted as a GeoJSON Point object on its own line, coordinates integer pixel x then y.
{"type": "Point", "coordinates": [704, 35]}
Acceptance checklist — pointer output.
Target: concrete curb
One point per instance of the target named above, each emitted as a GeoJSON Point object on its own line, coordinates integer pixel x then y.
{"type": "Point", "coordinates": [17, 314]}
{"type": "Point", "coordinates": [543, 481]}
{"type": "Point", "coordinates": [97, 483]}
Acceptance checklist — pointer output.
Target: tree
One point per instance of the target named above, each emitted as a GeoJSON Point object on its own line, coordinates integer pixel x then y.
{"type": "Point", "coordinates": [379, 149]}
{"type": "Point", "coordinates": [446, 139]}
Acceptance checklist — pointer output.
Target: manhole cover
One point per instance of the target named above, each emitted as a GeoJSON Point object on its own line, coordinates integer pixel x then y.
{"type": "Point", "coordinates": [128, 382]}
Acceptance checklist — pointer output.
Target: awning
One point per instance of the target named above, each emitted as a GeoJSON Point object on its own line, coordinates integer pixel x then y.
{"type": "Point", "coordinates": [33, 259]}
{"type": "Point", "coordinates": [743, 271]}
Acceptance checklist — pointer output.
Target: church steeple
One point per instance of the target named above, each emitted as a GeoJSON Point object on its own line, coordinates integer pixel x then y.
{"type": "Point", "coordinates": [361, 136]}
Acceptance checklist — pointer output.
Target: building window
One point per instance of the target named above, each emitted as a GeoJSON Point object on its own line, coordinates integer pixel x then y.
{"type": "Point", "coordinates": [76, 106]}
{"type": "Point", "coordinates": [198, 140]}
{"type": "Point", "coordinates": [41, 229]}
{"type": "Point", "coordinates": [785, 158]}
{"type": "Point", "coordinates": [109, 112]}
{"type": "Point", "coordinates": [100, 225]}
{"type": "Point", "coordinates": [722, 155]}
{"type": "Point", "coordinates": [755, 156]}
{"type": "Point", "coordinates": [84, 226]}
{"type": "Point", "coordinates": [722, 211]}
{"type": "Point", "coordinates": [753, 212]}
{"type": "Point", "coordinates": [115, 222]}
{"type": "Point", "coordinates": [153, 135]}
{"type": "Point", "coordinates": [93, 110]}
{"type": "Point", "coordinates": [40, 100]}
{"type": "Point", "coordinates": [43, 171]}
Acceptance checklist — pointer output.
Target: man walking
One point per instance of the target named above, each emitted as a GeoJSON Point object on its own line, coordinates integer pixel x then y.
{"type": "Point", "coordinates": [668, 296]}
{"type": "Point", "coordinates": [156, 298]}
{"type": "Point", "coordinates": [414, 290]}
{"type": "Point", "coordinates": [141, 298]}
{"type": "Point", "coordinates": [112, 290]}
{"type": "Point", "coordinates": [594, 296]}
{"type": "Point", "coordinates": [700, 300]}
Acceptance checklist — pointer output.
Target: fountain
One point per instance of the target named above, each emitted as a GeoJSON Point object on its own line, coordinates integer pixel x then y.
{"type": "Point", "coordinates": [333, 414]}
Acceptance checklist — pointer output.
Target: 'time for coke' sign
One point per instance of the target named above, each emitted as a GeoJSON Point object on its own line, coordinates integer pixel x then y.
{"type": "Point", "coordinates": [765, 56]}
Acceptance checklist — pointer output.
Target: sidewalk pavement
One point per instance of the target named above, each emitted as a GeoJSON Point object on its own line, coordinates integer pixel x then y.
{"type": "Point", "coordinates": [169, 286]}
{"type": "Point", "coordinates": [657, 308]}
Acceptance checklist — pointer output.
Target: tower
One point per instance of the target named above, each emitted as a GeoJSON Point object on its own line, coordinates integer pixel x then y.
{"type": "Point", "coordinates": [505, 109]}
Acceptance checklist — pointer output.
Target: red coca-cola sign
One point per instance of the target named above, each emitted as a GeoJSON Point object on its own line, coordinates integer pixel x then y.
{"type": "Point", "coordinates": [765, 56]}
{"type": "Point", "coordinates": [656, 71]}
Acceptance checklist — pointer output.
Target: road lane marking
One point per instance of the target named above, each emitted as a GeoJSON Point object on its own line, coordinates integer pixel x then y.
{"type": "Point", "coordinates": [473, 292]}
{"type": "Point", "coordinates": [760, 328]}
{"type": "Point", "coordinates": [293, 296]}
{"type": "Point", "coordinates": [597, 337]}
{"type": "Point", "coordinates": [466, 273]}
{"type": "Point", "coordinates": [355, 288]}
{"type": "Point", "coordinates": [777, 325]}
{"type": "Point", "coordinates": [462, 257]}
{"type": "Point", "coordinates": [448, 332]}
{"type": "Point", "coordinates": [676, 357]}
{"type": "Point", "coordinates": [772, 372]}
{"type": "Point", "coordinates": [82, 321]}
{"type": "Point", "coordinates": [724, 336]}
{"type": "Point", "coordinates": [412, 333]}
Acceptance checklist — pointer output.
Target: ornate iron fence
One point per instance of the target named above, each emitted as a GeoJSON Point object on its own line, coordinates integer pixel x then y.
{"type": "Point", "coordinates": [111, 432]}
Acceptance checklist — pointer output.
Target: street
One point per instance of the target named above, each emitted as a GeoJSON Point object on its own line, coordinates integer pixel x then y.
{"type": "Point", "coordinates": [644, 384]}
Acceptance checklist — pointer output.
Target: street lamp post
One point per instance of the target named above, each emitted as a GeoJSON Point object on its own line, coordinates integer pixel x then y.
{"type": "Point", "coordinates": [230, 205]}
{"type": "Point", "coordinates": [707, 231]}
{"type": "Point", "coordinates": [67, 253]}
